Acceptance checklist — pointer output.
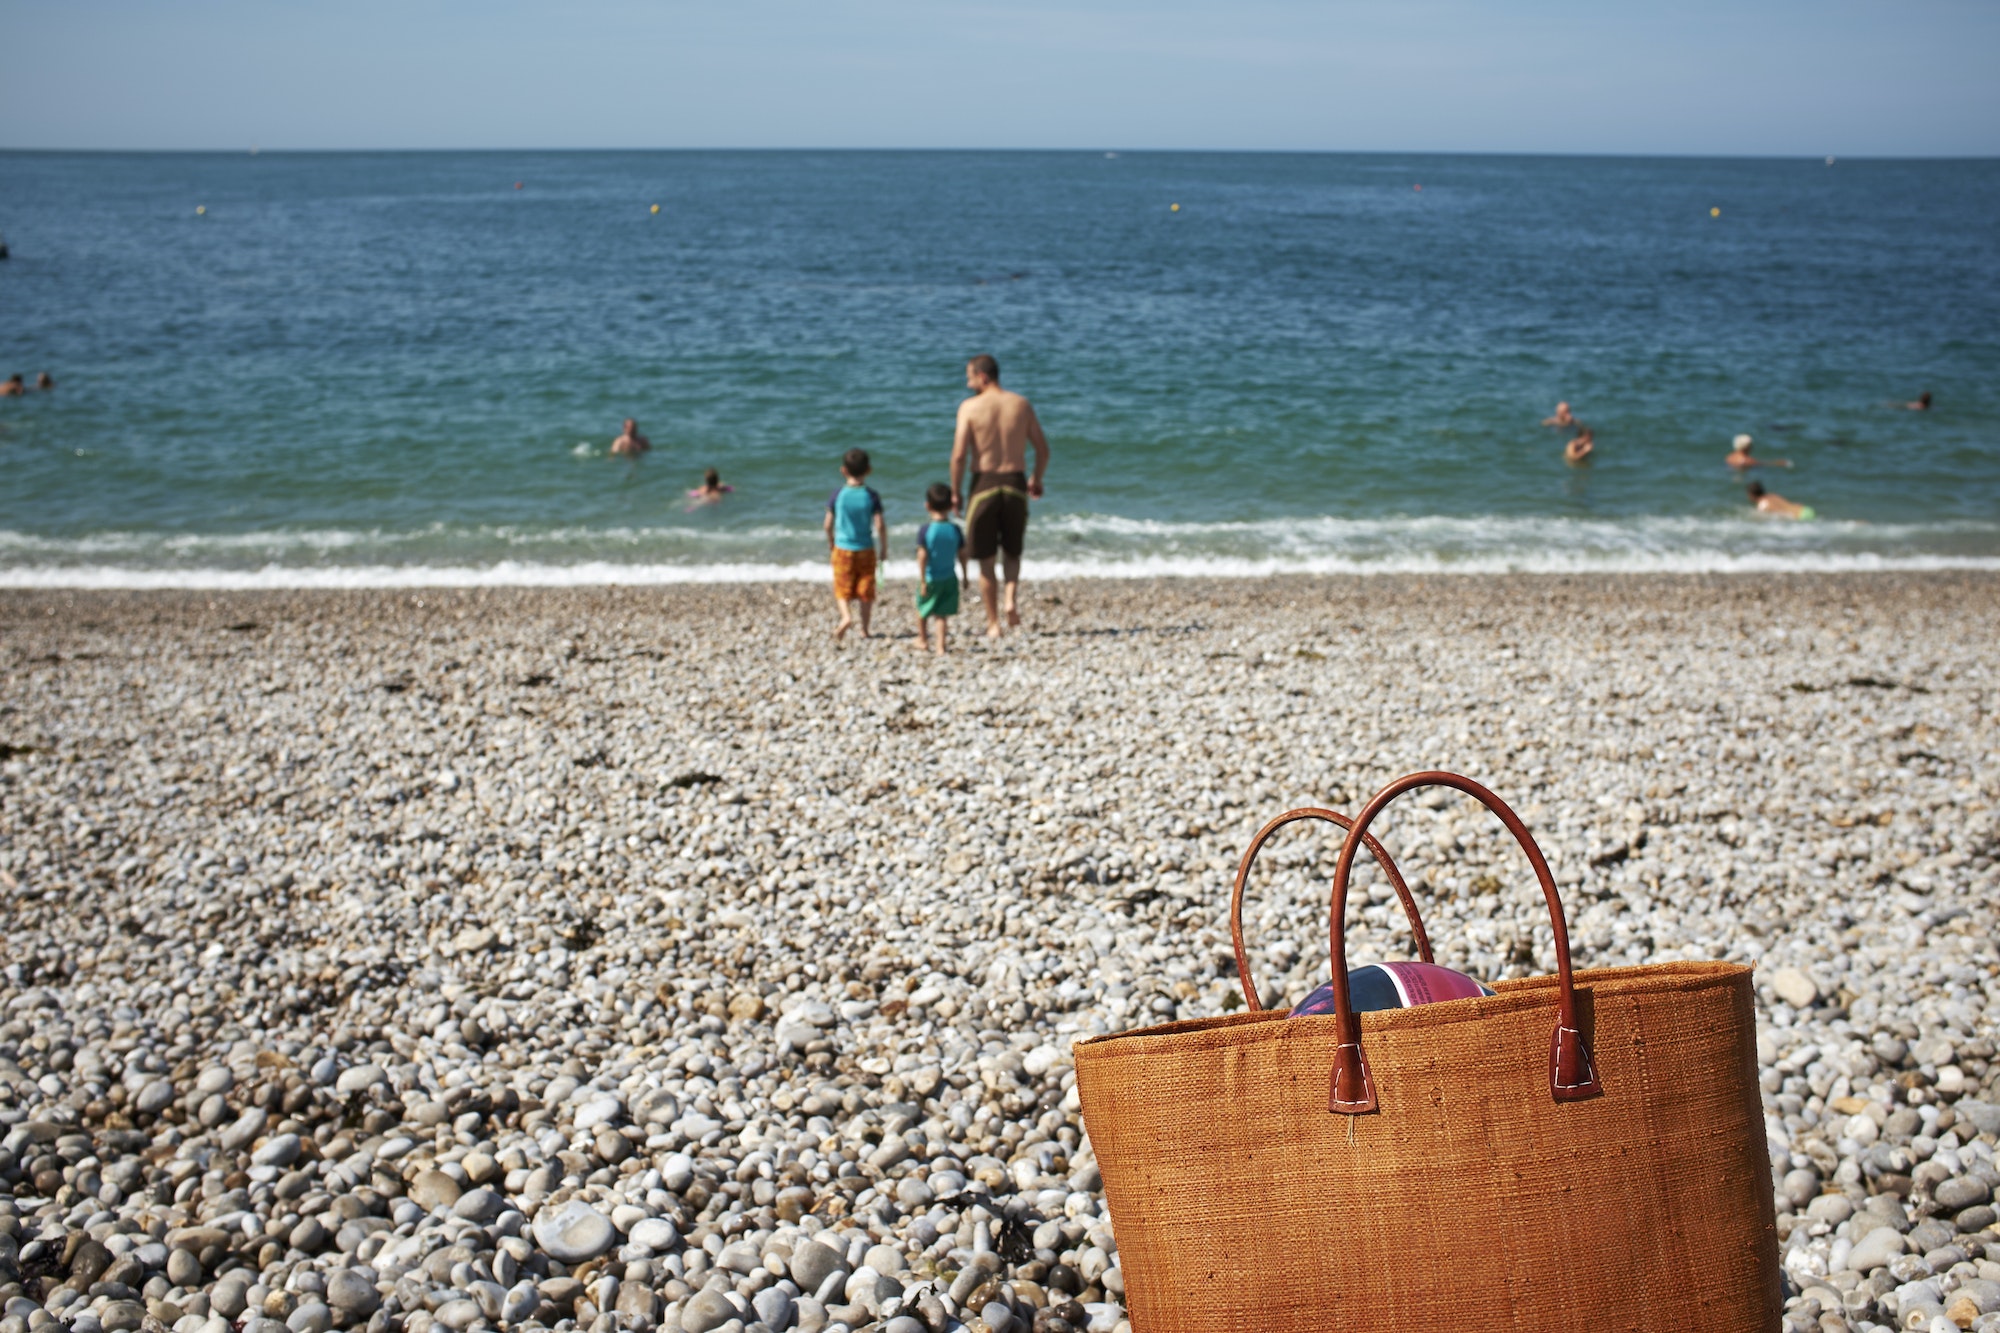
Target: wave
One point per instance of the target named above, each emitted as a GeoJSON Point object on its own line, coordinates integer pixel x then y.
{"type": "Point", "coordinates": [1060, 546]}
{"type": "Point", "coordinates": [602, 573]}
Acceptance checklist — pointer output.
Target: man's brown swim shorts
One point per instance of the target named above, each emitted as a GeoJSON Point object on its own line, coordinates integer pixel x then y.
{"type": "Point", "coordinates": [996, 514]}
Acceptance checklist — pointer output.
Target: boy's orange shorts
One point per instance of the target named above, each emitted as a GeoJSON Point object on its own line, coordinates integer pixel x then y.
{"type": "Point", "coordinates": [854, 575]}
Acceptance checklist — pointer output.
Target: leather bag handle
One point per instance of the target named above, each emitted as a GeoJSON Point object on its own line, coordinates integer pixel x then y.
{"type": "Point", "coordinates": [1375, 849]}
{"type": "Point", "coordinates": [1572, 1071]}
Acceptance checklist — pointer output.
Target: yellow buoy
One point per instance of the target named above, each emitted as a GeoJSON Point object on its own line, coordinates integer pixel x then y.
{"type": "Point", "coordinates": [1715, 212]}
{"type": "Point", "coordinates": [200, 209]}
{"type": "Point", "coordinates": [656, 208]}
{"type": "Point", "coordinates": [1173, 208]}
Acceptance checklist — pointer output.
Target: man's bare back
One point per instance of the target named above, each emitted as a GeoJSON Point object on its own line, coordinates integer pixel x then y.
{"type": "Point", "coordinates": [995, 427]}
{"type": "Point", "coordinates": [991, 484]}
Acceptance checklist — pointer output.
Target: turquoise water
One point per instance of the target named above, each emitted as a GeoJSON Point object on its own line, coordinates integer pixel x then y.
{"type": "Point", "coordinates": [398, 368]}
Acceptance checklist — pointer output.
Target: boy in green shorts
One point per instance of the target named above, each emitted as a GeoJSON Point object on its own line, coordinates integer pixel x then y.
{"type": "Point", "coordinates": [940, 567]}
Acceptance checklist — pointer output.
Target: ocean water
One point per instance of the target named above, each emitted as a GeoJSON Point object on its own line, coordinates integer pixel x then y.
{"type": "Point", "coordinates": [405, 369]}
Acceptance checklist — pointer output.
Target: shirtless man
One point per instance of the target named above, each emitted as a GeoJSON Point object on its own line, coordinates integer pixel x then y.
{"type": "Point", "coordinates": [995, 428]}
{"type": "Point", "coordinates": [1580, 447]}
{"type": "Point", "coordinates": [1740, 457]}
{"type": "Point", "coordinates": [631, 444]}
{"type": "Point", "coordinates": [1561, 418]}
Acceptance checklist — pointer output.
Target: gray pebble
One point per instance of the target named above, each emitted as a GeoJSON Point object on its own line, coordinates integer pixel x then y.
{"type": "Point", "coordinates": [774, 1306]}
{"type": "Point", "coordinates": [1961, 1192]}
{"type": "Point", "coordinates": [459, 1313]}
{"type": "Point", "coordinates": [1876, 1249]}
{"type": "Point", "coordinates": [811, 1264]}
{"type": "Point", "coordinates": [575, 1232]}
{"type": "Point", "coordinates": [479, 1205]}
{"type": "Point", "coordinates": [351, 1294]}
{"type": "Point", "coordinates": [280, 1150]}
{"type": "Point", "coordinates": [124, 1316]}
{"type": "Point", "coordinates": [311, 1317]}
{"type": "Point", "coordinates": [243, 1131]}
{"type": "Point", "coordinates": [155, 1096]}
{"type": "Point", "coordinates": [706, 1311]}
{"type": "Point", "coordinates": [522, 1298]}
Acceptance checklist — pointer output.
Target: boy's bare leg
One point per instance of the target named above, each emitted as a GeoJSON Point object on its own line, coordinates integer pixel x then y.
{"type": "Point", "coordinates": [1010, 566]}
{"type": "Point", "coordinates": [989, 596]}
{"type": "Point", "coordinates": [944, 627]}
{"type": "Point", "coordinates": [923, 643]}
{"type": "Point", "coordinates": [867, 613]}
{"type": "Point", "coordinates": [846, 618]}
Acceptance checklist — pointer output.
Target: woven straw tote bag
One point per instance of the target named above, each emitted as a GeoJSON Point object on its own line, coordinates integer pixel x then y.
{"type": "Point", "coordinates": [1581, 1151]}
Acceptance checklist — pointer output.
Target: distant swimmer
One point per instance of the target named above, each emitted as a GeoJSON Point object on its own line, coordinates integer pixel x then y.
{"type": "Point", "coordinates": [710, 491]}
{"type": "Point", "coordinates": [1739, 456]}
{"type": "Point", "coordinates": [1580, 447]}
{"type": "Point", "coordinates": [1563, 417]}
{"type": "Point", "coordinates": [1769, 502]}
{"type": "Point", "coordinates": [995, 430]}
{"type": "Point", "coordinates": [1922, 404]}
{"type": "Point", "coordinates": [631, 444]}
{"type": "Point", "coordinates": [45, 381]}
{"type": "Point", "coordinates": [13, 388]}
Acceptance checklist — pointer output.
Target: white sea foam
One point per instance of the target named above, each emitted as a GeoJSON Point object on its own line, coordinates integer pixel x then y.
{"type": "Point", "coordinates": [1060, 546]}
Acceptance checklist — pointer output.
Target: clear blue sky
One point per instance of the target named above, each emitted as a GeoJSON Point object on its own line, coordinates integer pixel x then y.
{"type": "Point", "coordinates": [1568, 76]}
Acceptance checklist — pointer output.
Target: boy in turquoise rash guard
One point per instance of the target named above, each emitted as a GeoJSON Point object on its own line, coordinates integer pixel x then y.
{"type": "Point", "coordinates": [854, 528]}
{"type": "Point", "coordinates": [940, 567]}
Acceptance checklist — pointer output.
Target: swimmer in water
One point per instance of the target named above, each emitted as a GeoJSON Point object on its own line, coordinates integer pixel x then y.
{"type": "Point", "coordinates": [1922, 404]}
{"type": "Point", "coordinates": [1769, 502]}
{"type": "Point", "coordinates": [631, 444]}
{"type": "Point", "coordinates": [13, 388]}
{"type": "Point", "coordinates": [1563, 417]}
{"type": "Point", "coordinates": [710, 491]}
{"type": "Point", "coordinates": [1739, 456]}
{"type": "Point", "coordinates": [1580, 447]}
{"type": "Point", "coordinates": [45, 381]}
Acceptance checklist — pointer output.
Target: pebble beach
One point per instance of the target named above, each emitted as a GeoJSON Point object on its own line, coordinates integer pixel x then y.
{"type": "Point", "coordinates": [432, 961]}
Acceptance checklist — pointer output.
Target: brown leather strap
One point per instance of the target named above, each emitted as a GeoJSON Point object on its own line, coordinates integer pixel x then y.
{"type": "Point", "coordinates": [1375, 849]}
{"type": "Point", "coordinates": [1572, 1071]}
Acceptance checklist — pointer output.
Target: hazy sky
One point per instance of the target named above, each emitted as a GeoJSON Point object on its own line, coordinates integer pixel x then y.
{"type": "Point", "coordinates": [1572, 76]}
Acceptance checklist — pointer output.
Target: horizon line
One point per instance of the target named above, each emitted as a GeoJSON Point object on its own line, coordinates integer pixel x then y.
{"type": "Point", "coordinates": [254, 150]}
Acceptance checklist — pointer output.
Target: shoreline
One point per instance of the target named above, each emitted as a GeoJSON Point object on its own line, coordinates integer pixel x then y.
{"type": "Point", "coordinates": [599, 574]}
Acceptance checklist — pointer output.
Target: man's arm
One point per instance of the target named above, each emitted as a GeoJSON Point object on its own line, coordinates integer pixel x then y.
{"type": "Point", "coordinates": [1041, 446]}
{"type": "Point", "coordinates": [961, 456]}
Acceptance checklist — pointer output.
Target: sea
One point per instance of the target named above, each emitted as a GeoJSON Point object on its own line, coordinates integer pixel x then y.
{"type": "Point", "coordinates": [405, 369]}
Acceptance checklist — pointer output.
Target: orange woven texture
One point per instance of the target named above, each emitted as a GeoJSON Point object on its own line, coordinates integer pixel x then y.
{"type": "Point", "coordinates": [1471, 1200]}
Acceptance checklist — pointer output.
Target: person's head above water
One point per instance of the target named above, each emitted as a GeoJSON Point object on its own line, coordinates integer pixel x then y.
{"type": "Point", "coordinates": [981, 371]}
{"type": "Point", "coordinates": [631, 424]}
{"type": "Point", "coordinates": [938, 498]}
{"type": "Point", "coordinates": [45, 381]}
{"type": "Point", "coordinates": [711, 479]}
{"type": "Point", "coordinates": [1741, 444]}
{"type": "Point", "coordinates": [855, 463]}
{"type": "Point", "coordinates": [1756, 489]}
{"type": "Point", "coordinates": [1924, 401]}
